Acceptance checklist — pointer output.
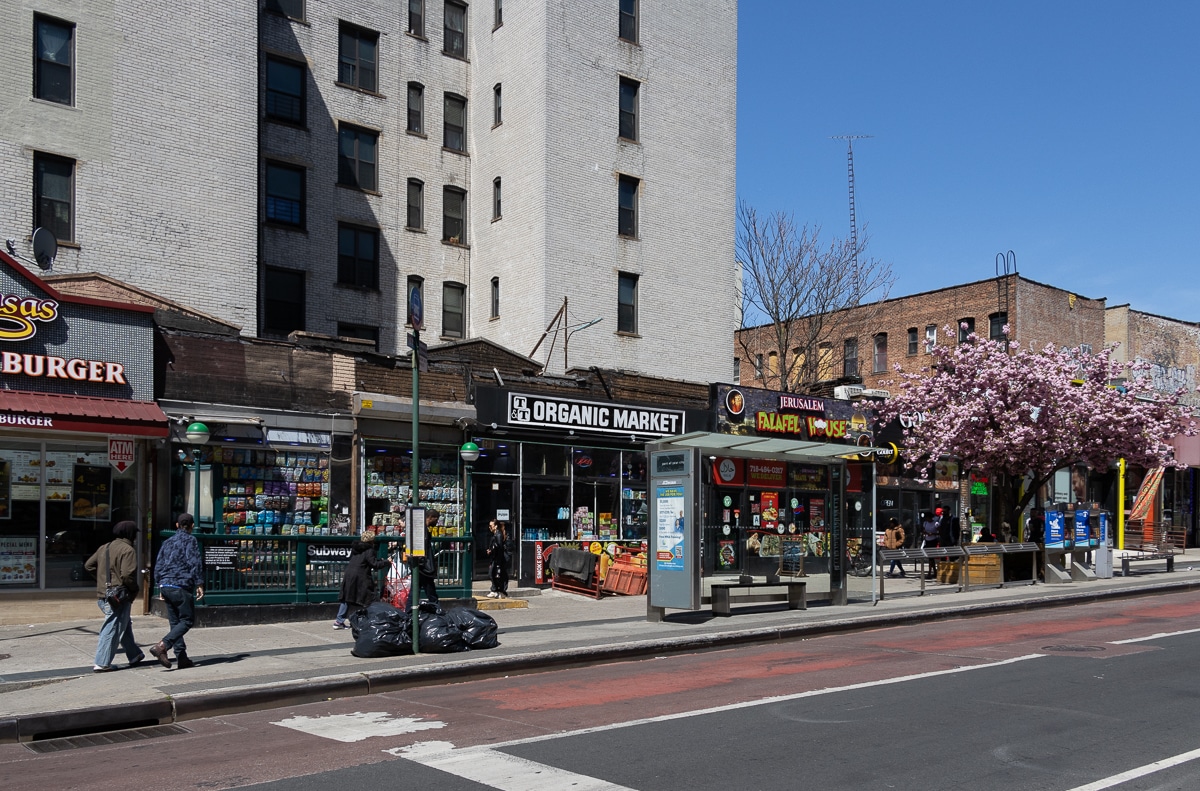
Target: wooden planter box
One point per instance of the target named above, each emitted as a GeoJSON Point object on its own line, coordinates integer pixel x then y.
{"type": "Point", "coordinates": [985, 570]}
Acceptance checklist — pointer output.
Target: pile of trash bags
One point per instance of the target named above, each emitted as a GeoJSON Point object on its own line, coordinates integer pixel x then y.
{"type": "Point", "coordinates": [384, 630]}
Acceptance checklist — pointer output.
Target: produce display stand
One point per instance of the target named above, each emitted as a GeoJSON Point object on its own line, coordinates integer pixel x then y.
{"type": "Point", "coordinates": [571, 584]}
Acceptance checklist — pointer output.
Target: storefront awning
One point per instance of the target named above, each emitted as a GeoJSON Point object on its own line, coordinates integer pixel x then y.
{"type": "Point", "coordinates": [54, 412]}
{"type": "Point", "coordinates": [736, 445]}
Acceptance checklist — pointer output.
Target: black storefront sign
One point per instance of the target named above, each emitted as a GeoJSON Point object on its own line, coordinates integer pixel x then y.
{"type": "Point", "coordinates": [537, 411]}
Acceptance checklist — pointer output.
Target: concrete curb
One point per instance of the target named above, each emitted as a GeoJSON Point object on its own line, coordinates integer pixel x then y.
{"type": "Point", "coordinates": [189, 706]}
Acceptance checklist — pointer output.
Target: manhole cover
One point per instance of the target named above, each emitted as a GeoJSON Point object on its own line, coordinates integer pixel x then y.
{"type": "Point", "coordinates": [1077, 648]}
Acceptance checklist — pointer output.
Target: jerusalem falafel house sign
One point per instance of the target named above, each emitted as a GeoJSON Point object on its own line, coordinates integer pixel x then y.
{"type": "Point", "coordinates": [564, 413]}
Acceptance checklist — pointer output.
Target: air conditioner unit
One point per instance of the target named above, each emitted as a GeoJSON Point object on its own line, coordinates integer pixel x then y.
{"type": "Point", "coordinates": [872, 393]}
{"type": "Point", "coordinates": [846, 392]}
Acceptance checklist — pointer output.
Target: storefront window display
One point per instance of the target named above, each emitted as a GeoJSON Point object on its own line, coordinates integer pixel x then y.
{"type": "Point", "coordinates": [68, 493]}
{"type": "Point", "coordinates": [388, 475]}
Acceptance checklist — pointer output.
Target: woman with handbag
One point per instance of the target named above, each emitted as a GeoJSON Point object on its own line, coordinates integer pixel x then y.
{"type": "Point", "coordinates": [115, 567]}
{"type": "Point", "coordinates": [498, 558]}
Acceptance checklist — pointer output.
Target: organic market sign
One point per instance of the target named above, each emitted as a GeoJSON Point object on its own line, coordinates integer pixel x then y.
{"type": "Point", "coordinates": [549, 412]}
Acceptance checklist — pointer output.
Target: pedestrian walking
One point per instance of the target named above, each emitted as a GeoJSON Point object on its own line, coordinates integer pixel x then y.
{"type": "Point", "coordinates": [115, 566]}
{"type": "Point", "coordinates": [893, 538]}
{"type": "Point", "coordinates": [499, 555]}
{"type": "Point", "coordinates": [358, 583]}
{"type": "Point", "coordinates": [179, 573]}
{"type": "Point", "coordinates": [930, 539]}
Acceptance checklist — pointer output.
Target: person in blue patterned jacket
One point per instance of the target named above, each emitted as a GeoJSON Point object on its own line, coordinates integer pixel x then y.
{"type": "Point", "coordinates": [179, 573]}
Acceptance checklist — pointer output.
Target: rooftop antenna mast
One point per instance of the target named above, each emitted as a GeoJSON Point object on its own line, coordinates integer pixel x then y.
{"type": "Point", "coordinates": [850, 167]}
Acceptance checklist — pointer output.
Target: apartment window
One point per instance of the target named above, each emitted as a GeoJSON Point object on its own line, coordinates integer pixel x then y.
{"type": "Point", "coordinates": [453, 202]}
{"type": "Point", "coordinates": [358, 157]}
{"type": "Point", "coordinates": [416, 108]}
{"type": "Point", "coordinates": [362, 332]}
{"type": "Point", "coordinates": [497, 114]}
{"type": "Point", "coordinates": [283, 301]}
{"type": "Point", "coordinates": [913, 344]}
{"type": "Point", "coordinates": [629, 21]}
{"type": "Point", "coordinates": [824, 361]}
{"type": "Point", "coordinates": [628, 128]}
{"type": "Point", "coordinates": [416, 203]}
{"type": "Point", "coordinates": [285, 91]}
{"type": "Point", "coordinates": [495, 297]}
{"type": "Point", "coordinates": [54, 66]}
{"type": "Point", "coordinates": [358, 57]}
{"type": "Point", "coordinates": [285, 194]}
{"type": "Point", "coordinates": [758, 366]}
{"type": "Point", "coordinates": [54, 195]}
{"type": "Point", "coordinates": [627, 209]}
{"type": "Point", "coordinates": [415, 283]}
{"type": "Point", "coordinates": [454, 123]}
{"type": "Point", "coordinates": [850, 357]}
{"type": "Point", "coordinates": [496, 199]}
{"type": "Point", "coordinates": [880, 353]}
{"type": "Point", "coordinates": [499, 14]}
{"type": "Point", "coordinates": [416, 17]}
{"type": "Point", "coordinates": [293, 9]}
{"type": "Point", "coordinates": [965, 328]}
{"type": "Point", "coordinates": [737, 370]}
{"type": "Point", "coordinates": [453, 300]}
{"type": "Point", "coordinates": [358, 256]}
{"type": "Point", "coordinates": [996, 323]}
{"type": "Point", "coordinates": [456, 30]}
{"type": "Point", "coordinates": [627, 292]}
{"type": "Point", "coordinates": [930, 337]}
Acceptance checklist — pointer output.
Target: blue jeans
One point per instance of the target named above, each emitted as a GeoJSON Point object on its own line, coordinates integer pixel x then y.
{"type": "Point", "coordinates": [117, 630]}
{"type": "Point", "coordinates": [181, 612]}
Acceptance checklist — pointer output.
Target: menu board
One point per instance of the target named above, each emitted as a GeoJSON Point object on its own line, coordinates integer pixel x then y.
{"type": "Point", "coordinates": [5, 490]}
{"type": "Point", "coordinates": [91, 496]}
{"type": "Point", "coordinates": [25, 475]}
{"type": "Point", "coordinates": [791, 556]}
{"type": "Point", "coordinates": [18, 559]}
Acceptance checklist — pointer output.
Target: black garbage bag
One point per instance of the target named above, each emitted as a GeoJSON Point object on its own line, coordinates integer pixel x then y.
{"type": "Point", "coordinates": [382, 630]}
{"type": "Point", "coordinates": [439, 636]}
{"type": "Point", "coordinates": [479, 629]}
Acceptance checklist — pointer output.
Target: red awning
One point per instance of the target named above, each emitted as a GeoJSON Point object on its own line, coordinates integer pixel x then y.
{"type": "Point", "coordinates": [53, 412]}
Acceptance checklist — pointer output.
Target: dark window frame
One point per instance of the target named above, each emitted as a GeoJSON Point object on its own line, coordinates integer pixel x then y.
{"type": "Point", "coordinates": [282, 7]}
{"type": "Point", "coordinates": [354, 269]}
{"type": "Point", "coordinates": [416, 18]}
{"type": "Point", "coordinates": [850, 357]}
{"type": "Point", "coordinates": [362, 332]}
{"type": "Point", "coordinates": [274, 307]}
{"type": "Point", "coordinates": [496, 195]}
{"type": "Point", "coordinates": [495, 305]}
{"type": "Point", "coordinates": [284, 97]}
{"type": "Point", "coordinates": [415, 206]}
{"type": "Point", "coordinates": [451, 317]}
{"type": "Point", "coordinates": [350, 168]}
{"type": "Point", "coordinates": [454, 133]}
{"type": "Point", "coordinates": [914, 342]}
{"type": "Point", "coordinates": [47, 87]}
{"type": "Point", "coordinates": [627, 303]}
{"type": "Point", "coordinates": [498, 11]}
{"type": "Point", "coordinates": [627, 123]}
{"type": "Point", "coordinates": [46, 205]}
{"type": "Point", "coordinates": [300, 201]}
{"type": "Point", "coordinates": [996, 322]}
{"type": "Point", "coordinates": [454, 42]}
{"type": "Point", "coordinates": [628, 188]}
{"type": "Point", "coordinates": [964, 333]}
{"type": "Point", "coordinates": [497, 106]}
{"type": "Point", "coordinates": [451, 223]}
{"type": "Point", "coordinates": [416, 109]}
{"type": "Point", "coordinates": [355, 70]}
{"type": "Point", "coordinates": [627, 25]}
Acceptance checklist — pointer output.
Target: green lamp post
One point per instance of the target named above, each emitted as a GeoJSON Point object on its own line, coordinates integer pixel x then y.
{"type": "Point", "coordinates": [197, 436]}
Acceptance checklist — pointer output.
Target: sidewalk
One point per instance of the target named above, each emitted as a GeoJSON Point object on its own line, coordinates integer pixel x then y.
{"type": "Point", "coordinates": [47, 687]}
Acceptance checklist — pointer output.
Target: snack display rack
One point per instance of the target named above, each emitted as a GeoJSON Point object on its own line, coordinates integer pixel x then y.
{"type": "Point", "coordinates": [389, 486]}
{"type": "Point", "coordinates": [267, 492]}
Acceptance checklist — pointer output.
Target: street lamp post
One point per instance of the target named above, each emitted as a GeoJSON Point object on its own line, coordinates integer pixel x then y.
{"type": "Point", "coordinates": [469, 452]}
{"type": "Point", "coordinates": [197, 436]}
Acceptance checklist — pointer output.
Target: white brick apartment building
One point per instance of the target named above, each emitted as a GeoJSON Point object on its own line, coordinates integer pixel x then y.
{"type": "Point", "coordinates": [301, 167]}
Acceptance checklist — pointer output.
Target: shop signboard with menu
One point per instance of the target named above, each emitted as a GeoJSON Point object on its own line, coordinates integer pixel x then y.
{"type": "Point", "coordinates": [18, 559]}
{"type": "Point", "coordinates": [91, 492]}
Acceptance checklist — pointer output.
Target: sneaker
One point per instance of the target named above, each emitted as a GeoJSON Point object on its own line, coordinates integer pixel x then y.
{"type": "Point", "coordinates": [339, 625]}
{"type": "Point", "coordinates": [137, 660]}
{"type": "Point", "coordinates": [103, 668]}
{"type": "Point", "coordinates": [493, 595]}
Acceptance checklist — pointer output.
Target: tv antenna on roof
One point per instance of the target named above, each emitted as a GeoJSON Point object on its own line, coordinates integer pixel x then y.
{"type": "Point", "coordinates": [850, 165]}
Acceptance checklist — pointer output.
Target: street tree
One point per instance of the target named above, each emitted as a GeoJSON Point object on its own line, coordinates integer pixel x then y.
{"type": "Point", "coordinates": [1019, 415]}
{"type": "Point", "coordinates": [801, 295]}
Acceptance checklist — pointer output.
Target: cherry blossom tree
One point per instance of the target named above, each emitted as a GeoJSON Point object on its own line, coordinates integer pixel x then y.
{"type": "Point", "coordinates": [1020, 415]}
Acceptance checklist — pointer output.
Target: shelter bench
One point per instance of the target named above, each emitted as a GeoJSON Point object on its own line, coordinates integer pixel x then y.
{"type": "Point", "coordinates": [796, 597]}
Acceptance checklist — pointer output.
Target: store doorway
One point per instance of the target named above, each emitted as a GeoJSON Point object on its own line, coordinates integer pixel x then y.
{"type": "Point", "coordinates": [492, 497]}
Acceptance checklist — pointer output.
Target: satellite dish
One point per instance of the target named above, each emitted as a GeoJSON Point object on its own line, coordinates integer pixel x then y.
{"type": "Point", "coordinates": [45, 248]}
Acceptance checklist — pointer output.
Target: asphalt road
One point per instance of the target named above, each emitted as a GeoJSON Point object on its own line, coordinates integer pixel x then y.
{"type": "Point", "coordinates": [1062, 699]}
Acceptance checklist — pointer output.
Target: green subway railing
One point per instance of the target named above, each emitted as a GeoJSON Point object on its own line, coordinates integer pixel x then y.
{"type": "Point", "coordinates": [255, 569]}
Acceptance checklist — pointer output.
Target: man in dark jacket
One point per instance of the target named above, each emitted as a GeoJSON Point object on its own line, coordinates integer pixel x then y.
{"type": "Point", "coordinates": [115, 563]}
{"type": "Point", "coordinates": [180, 577]}
{"type": "Point", "coordinates": [426, 566]}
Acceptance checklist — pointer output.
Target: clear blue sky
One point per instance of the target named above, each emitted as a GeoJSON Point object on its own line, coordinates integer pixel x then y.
{"type": "Point", "coordinates": [1067, 132]}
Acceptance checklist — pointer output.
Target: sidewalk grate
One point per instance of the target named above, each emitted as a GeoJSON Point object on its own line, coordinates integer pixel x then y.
{"type": "Point", "coordinates": [102, 739]}
{"type": "Point", "coordinates": [1069, 648]}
